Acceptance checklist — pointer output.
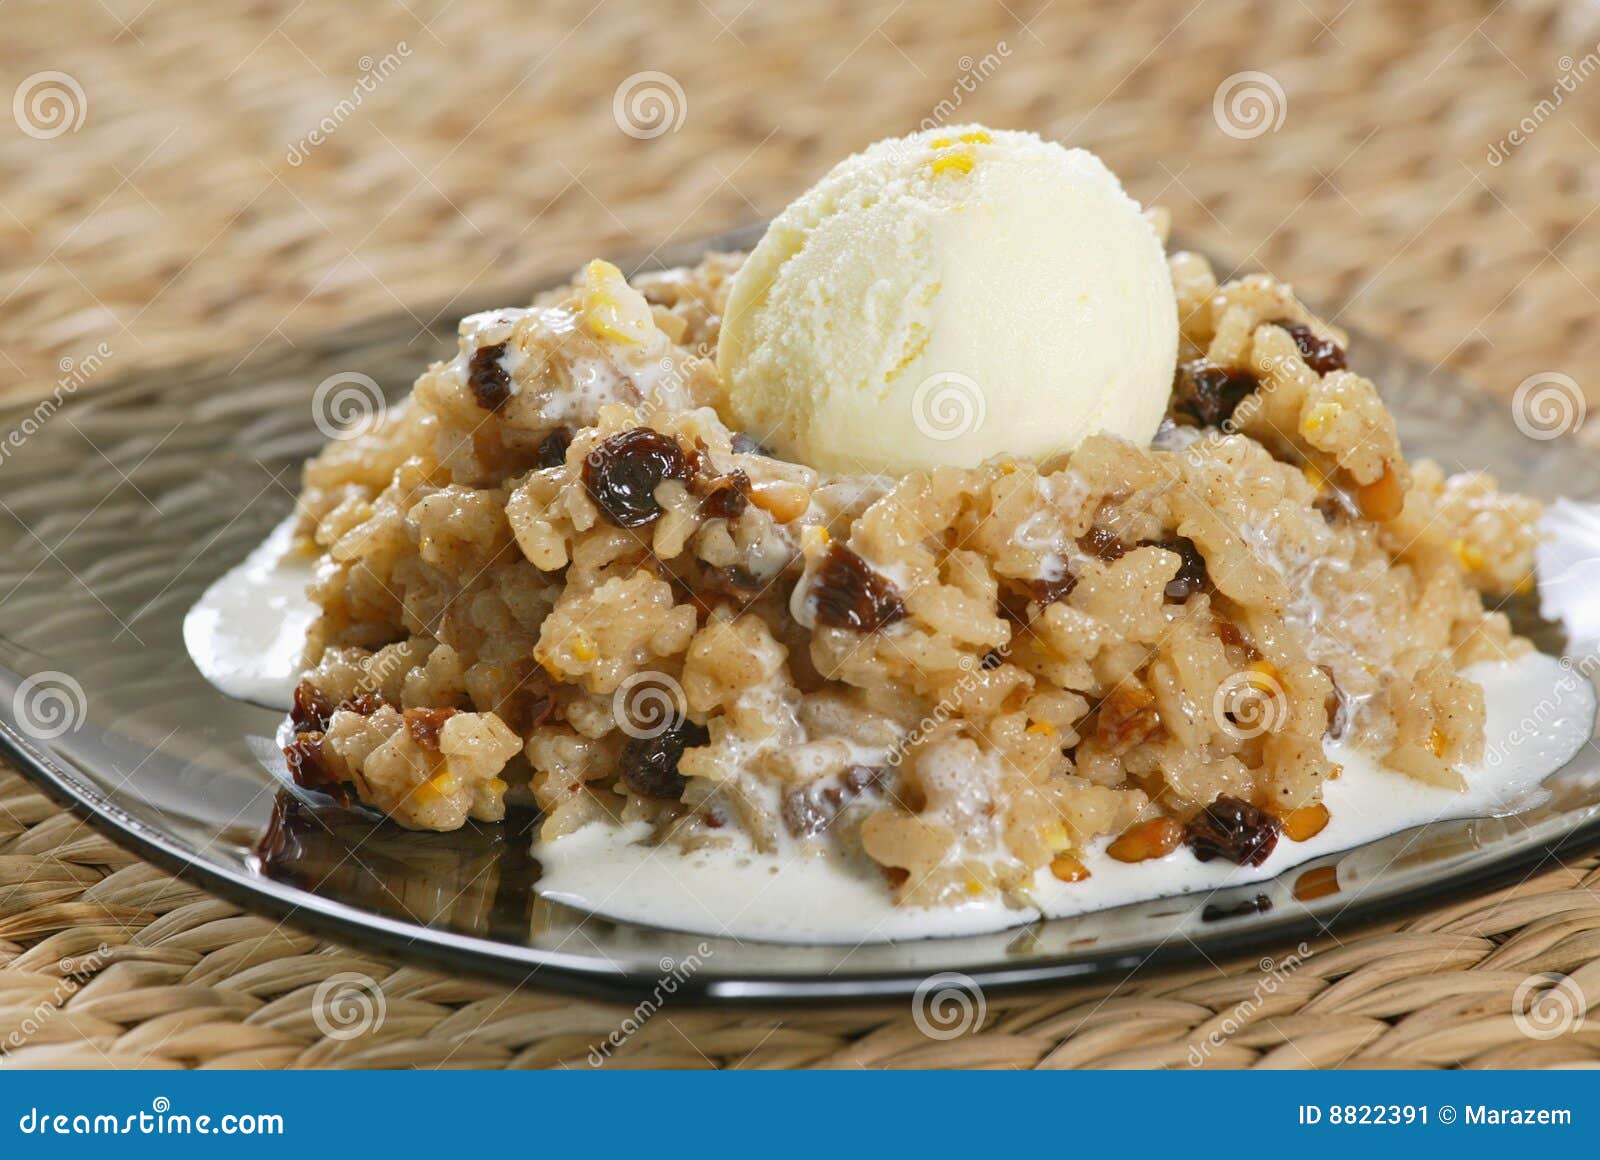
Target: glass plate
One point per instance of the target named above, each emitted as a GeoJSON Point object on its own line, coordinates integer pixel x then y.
{"type": "Point", "coordinates": [117, 510]}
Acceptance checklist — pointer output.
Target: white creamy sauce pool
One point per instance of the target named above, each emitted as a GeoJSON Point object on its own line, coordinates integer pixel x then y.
{"type": "Point", "coordinates": [795, 898]}
{"type": "Point", "coordinates": [247, 631]}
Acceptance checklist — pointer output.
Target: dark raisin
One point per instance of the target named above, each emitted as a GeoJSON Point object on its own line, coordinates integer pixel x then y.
{"type": "Point", "coordinates": [308, 763]}
{"type": "Point", "coordinates": [1210, 394]}
{"type": "Point", "coordinates": [1235, 830]}
{"type": "Point", "coordinates": [725, 496]}
{"type": "Point", "coordinates": [1337, 706]}
{"type": "Point", "coordinates": [312, 709]}
{"type": "Point", "coordinates": [1216, 911]}
{"type": "Point", "coordinates": [749, 445]}
{"type": "Point", "coordinates": [731, 580]}
{"type": "Point", "coordinates": [809, 811]}
{"type": "Point", "coordinates": [552, 450]}
{"type": "Point", "coordinates": [622, 474]}
{"type": "Point", "coordinates": [1322, 355]}
{"type": "Point", "coordinates": [1102, 544]}
{"type": "Point", "coordinates": [991, 661]}
{"type": "Point", "coordinates": [1018, 597]}
{"type": "Point", "coordinates": [488, 378]}
{"type": "Point", "coordinates": [424, 726]}
{"type": "Point", "coordinates": [850, 594]}
{"type": "Point", "coordinates": [650, 764]}
{"type": "Point", "coordinates": [1191, 577]}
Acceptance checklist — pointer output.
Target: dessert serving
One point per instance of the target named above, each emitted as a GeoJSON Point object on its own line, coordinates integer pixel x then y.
{"type": "Point", "coordinates": [955, 557]}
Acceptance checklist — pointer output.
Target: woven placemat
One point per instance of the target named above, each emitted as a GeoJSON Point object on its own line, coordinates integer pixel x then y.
{"type": "Point", "coordinates": [183, 178]}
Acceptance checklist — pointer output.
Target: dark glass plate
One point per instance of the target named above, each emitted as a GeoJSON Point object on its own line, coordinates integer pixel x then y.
{"type": "Point", "coordinates": [118, 509]}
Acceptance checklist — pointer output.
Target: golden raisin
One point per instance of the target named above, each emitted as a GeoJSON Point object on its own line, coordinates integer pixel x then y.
{"type": "Point", "coordinates": [1383, 498]}
{"type": "Point", "coordinates": [1128, 717]}
{"type": "Point", "coordinates": [1305, 823]}
{"type": "Point", "coordinates": [1068, 869]}
{"type": "Point", "coordinates": [1153, 839]}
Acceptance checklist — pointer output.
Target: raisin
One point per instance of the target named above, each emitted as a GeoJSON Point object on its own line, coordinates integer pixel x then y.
{"type": "Point", "coordinates": [732, 580]}
{"type": "Point", "coordinates": [1233, 829]}
{"type": "Point", "coordinates": [424, 726]}
{"type": "Point", "coordinates": [1191, 577]}
{"type": "Point", "coordinates": [810, 810]}
{"type": "Point", "coordinates": [312, 709]}
{"type": "Point", "coordinates": [850, 594]}
{"type": "Point", "coordinates": [1216, 911]}
{"type": "Point", "coordinates": [1211, 394]}
{"type": "Point", "coordinates": [749, 445]}
{"type": "Point", "coordinates": [1321, 354]}
{"type": "Point", "coordinates": [488, 378]}
{"type": "Point", "coordinates": [1018, 596]}
{"type": "Point", "coordinates": [366, 704]}
{"type": "Point", "coordinates": [552, 450]}
{"type": "Point", "coordinates": [1102, 544]}
{"type": "Point", "coordinates": [622, 474]}
{"type": "Point", "coordinates": [725, 496]}
{"type": "Point", "coordinates": [650, 764]}
{"type": "Point", "coordinates": [308, 763]}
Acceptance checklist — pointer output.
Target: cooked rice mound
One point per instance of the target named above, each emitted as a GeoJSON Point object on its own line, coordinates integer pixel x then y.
{"type": "Point", "coordinates": [555, 576]}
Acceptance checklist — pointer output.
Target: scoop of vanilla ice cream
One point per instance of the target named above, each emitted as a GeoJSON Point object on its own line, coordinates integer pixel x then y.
{"type": "Point", "coordinates": [944, 297]}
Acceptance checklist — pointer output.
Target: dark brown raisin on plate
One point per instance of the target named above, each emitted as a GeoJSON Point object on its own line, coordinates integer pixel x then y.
{"type": "Point", "coordinates": [1191, 575]}
{"type": "Point", "coordinates": [622, 474]}
{"type": "Point", "coordinates": [810, 810]}
{"type": "Point", "coordinates": [1017, 596]}
{"type": "Point", "coordinates": [308, 764]}
{"type": "Point", "coordinates": [650, 763]}
{"type": "Point", "coordinates": [1102, 543]}
{"type": "Point", "coordinates": [1216, 911]}
{"type": "Point", "coordinates": [1210, 394]}
{"type": "Point", "coordinates": [424, 726]}
{"type": "Point", "coordinates": [1233, 829]}
{"type": "Point", "coordinates": [1322, 355]}
{"type": "Point", "coordinates": [849, 594]}
{"type": "Point", "coordinates": [488, 378]}
{"type": "Point", "coordinates": [552, 450]}
{"type": "Point", "coordinates": [312, 709]}
{"type": "Point", "coordinates": [725, 496]}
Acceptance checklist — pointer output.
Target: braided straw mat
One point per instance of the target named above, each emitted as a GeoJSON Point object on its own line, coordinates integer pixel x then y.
{"type": "Point", "coordinates": [172, 202]}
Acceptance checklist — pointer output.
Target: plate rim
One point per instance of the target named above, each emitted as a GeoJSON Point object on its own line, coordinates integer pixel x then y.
{"type": "Point", "coordinates": [587, 976]}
